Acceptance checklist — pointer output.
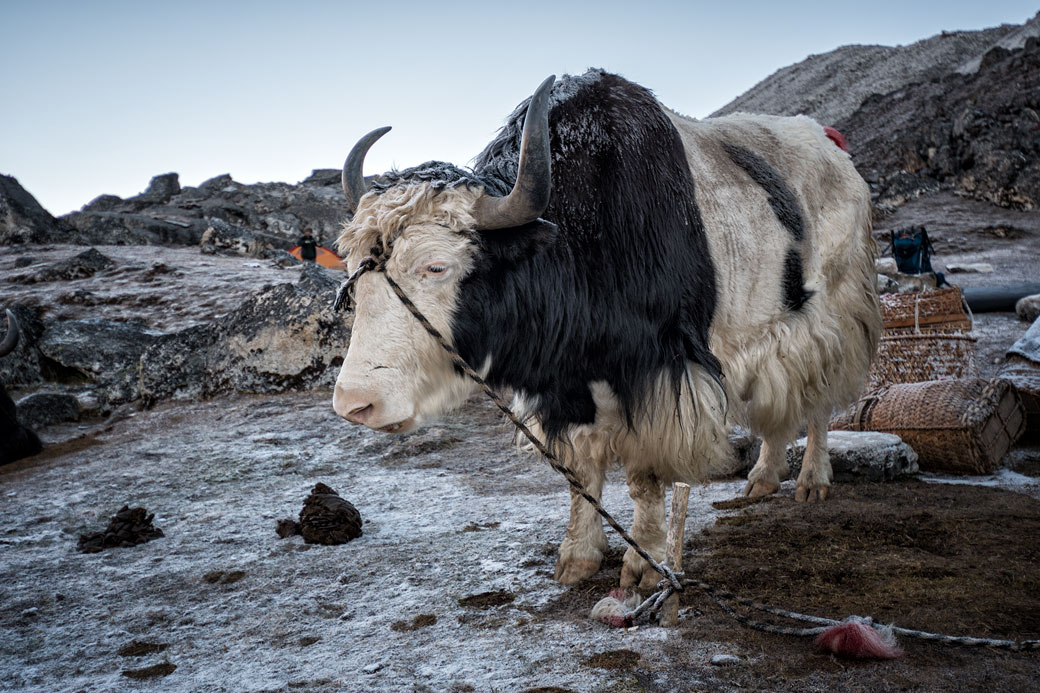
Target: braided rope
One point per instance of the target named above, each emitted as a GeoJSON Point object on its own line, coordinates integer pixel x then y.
{"type": "Point", "coordinates": [672, 582]}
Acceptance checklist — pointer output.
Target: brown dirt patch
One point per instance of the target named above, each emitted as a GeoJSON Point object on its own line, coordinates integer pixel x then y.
{"type": "Point", "coordinates": [138, 648]}
{"type": "Point", "coordinates": [420, 621]}
{"type": "Point", "coordinates": [152, 672]}
{"type": "Point", "coordinates": [957, 560]}
{"type": "Point", "coordinates": [620, 660]}
{"type": "Point", "coordinates": [486, 600]}
{"type": "Point", "coordinates": [945, 558]}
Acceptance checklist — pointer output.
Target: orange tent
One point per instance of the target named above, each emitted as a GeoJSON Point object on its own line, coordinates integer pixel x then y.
{"type": "Point", "coordinates": [325, 258]}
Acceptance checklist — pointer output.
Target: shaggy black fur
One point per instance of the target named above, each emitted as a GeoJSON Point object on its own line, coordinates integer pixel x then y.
{"type": "Point", "coordinates": [617, 284]}
{"type": "Point", "coordinates": [795, 294]}
{"type": "Point", "coordinates": [781, 199]}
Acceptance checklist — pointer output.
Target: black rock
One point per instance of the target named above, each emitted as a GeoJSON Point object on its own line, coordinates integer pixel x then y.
{"type": "Point", "coordinates": [324, 177]}
{"type": "Point", "coordinates": [81, 266]}
{"type": "Point", "coordinates": [328, 519]}
{"type": "Point", "coordinates": [103, 203]}
{"type": "Point", "coordinates": [216, 184]}
{"type": "Point", "coordinates": [160, 190]}
{"type": "Point", "coordinates": [23, 219]}
{"type": "Point", "coordinates": [42, 409]}
{"type": "Point", "coordinates": [98, 351]}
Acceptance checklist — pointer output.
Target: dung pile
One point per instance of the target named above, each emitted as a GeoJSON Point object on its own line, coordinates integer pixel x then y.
{"type": "Point", "coordinates": [326, 518]}
{"type": "Point", "coordinates": [128, 527]}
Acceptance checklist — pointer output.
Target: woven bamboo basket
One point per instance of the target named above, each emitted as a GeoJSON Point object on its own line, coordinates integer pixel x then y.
{"type": "Point", "coordinates": [924, 339]}
{"type": "Point", "coordinates": [1024, 375]}
{"type": "Point", "coordinates": [943, 309]}
{"type": "Point", "coordinates": [960, 426]}
{"type": "Point", "coordinates": [915, 358]}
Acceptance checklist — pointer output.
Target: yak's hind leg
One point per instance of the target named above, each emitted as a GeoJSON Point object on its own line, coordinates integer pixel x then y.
{"type": "Point", "coordinates": [770, 468]}
{"type": "Point", "coordinates": [582, 549]}
{"type": "Point", "coordinates": [815, 478]}
{"type": "Point", "coordinates": [648, 529]}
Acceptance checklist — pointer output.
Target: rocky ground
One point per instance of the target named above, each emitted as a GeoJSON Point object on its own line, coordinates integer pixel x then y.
{"type": "Point", "coordinates": [176, 358]}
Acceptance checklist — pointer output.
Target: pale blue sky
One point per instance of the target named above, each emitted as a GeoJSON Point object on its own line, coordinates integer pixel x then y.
{"type": "Point", "coordinates": [100, 96]}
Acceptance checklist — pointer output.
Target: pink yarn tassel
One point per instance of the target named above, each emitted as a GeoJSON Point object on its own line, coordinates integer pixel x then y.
{"type": "Point", "coordinates": [860, 639]}
{"type": "Point", "coordinates": [616, 610]}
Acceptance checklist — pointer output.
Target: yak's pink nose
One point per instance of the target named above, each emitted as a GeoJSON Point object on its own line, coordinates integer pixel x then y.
{"type": "Point", "coordinates": [355, 407]}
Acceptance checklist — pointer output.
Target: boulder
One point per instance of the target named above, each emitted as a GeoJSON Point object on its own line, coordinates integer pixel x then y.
{"type": "Point", "coordinates": [23, 219]}
{"type": "Point", "coordinates": [217, 183]}
{"type": "Point", "coordinates": [160, 190]}
{"type": "Point", "coordinates": [861, 456]}
{"type": "Point", "coordinates": [285, 338]}
{"type": "Point", "coordinates": [98, 352]}
{"type": "Point", "coordinates": [1028, 308]}
{"type": "Point", "coordinates": [134, 228]}
{"type": "Point", "coordinates": [887, 285]}
{"type": "Point", "coordinates": [324, 177]}
{"type": "Point", "coordinates": [42, 409]}
{"type": "Point", "coordinates": [80, 266]}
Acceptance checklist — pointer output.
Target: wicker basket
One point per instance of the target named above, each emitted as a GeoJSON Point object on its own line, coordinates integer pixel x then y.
{"type": "Point", "coordinates": [915, 358]}
{"type": "Point", "coordinates": [1024, 375]}
{"type": "Point", "coordinates": [942, 309]}
{"type": "Point", "coordinates": [959, 426]}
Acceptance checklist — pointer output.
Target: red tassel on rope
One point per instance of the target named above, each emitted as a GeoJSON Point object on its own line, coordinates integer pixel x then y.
{"type": "Point", "coordinates": [616, 610]}
{"type": "Point", "coordinates": [861, 639]}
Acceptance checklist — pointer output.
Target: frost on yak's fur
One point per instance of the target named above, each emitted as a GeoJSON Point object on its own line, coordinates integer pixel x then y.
{"type": "Point", "coordinates": [684, 274]}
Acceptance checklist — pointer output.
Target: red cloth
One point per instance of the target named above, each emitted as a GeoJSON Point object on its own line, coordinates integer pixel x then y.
{"type": "Point", "coordinates": [836, 137]}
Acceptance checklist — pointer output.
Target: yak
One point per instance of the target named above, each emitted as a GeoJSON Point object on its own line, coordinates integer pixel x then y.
{"type": "Point", "coordinates": [16, 441]}
{"type": "Point", "coordinates": [639, 280]}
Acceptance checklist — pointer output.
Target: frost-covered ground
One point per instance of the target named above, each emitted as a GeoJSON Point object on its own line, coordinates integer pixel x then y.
{"type": "Point", "coordinates": [452, 512]}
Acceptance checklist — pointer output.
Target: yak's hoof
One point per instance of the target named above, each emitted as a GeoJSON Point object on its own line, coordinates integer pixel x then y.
{"type": "Point", "coordinates": [573, 571]}
{"type": "Point", "coordinates": [643, 578]}
{"type": "Point", "coordinates": [757, 489]}
{"type": "Point", "coordinates": [803, 494]}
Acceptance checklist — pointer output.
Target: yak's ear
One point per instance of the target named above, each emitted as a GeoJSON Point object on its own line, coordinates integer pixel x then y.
{"type": "Point", "coordinates": [520, 242]}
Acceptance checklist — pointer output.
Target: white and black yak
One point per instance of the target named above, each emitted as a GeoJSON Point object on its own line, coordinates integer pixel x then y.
{"type": "Point", "coordinates": [639, 279]}
{"type": "Point", "coordinates": [16, 441]}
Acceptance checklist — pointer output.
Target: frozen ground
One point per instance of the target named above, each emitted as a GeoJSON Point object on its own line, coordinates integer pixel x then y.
{"type": "Point", "coordinates": [450, 512]}
{"type": "Point", "coordinates": [446, 517]}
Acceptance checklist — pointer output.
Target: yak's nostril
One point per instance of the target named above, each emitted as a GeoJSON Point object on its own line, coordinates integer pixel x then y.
{"type": "Point", "coordinates": [360, 414]}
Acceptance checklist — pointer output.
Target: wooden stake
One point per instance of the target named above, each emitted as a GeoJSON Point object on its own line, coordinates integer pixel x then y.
{"type": "Point", "coordinates": [674, 546]}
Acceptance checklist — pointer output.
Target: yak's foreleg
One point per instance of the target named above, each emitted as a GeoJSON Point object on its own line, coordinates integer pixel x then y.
{"type": "Point", "coordinates": [770, 468]}
{"type": "Point", "coordinates": [582, 549]}
{"type": "Point", "coordinates": [815, 478]}
{"type": "Point", "coordinates": [648, 529]}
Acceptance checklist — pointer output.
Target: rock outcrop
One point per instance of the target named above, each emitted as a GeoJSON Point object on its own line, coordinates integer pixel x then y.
{"type": "Point", "coordinates": [978, 134]}
{"type": "Point", "coordinates": [831, 86]}
{"type": "Point", "coordinates": [285, 338]}
{"type": "Point", "coordinates": [274, 214]}
{"type": "Point", "coordinates": [23, 220]}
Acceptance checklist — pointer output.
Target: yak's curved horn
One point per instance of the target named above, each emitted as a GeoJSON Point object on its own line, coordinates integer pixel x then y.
{"type": "Point", "coordinates": [11, 340]}
{"type": "Point", "coordinates": [353, 180]}
{"type": "Point", "coordinates": [530, 195]}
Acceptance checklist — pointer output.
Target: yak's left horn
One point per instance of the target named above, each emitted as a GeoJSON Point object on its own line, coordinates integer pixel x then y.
{"type": "Point", "coordinates": [11, 339]}
{"type": "Point", "coordinates": [530, 195]}
{"type": "Point", "coordinates": [353, 181]}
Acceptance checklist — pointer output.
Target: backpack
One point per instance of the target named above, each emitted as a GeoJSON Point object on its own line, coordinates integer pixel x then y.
{"type": "Point", "coordinates": [913, 251]}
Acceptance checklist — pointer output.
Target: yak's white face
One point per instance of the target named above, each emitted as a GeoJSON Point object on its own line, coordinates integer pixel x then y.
{"type": "Point", "coordinates": [395, 375]}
